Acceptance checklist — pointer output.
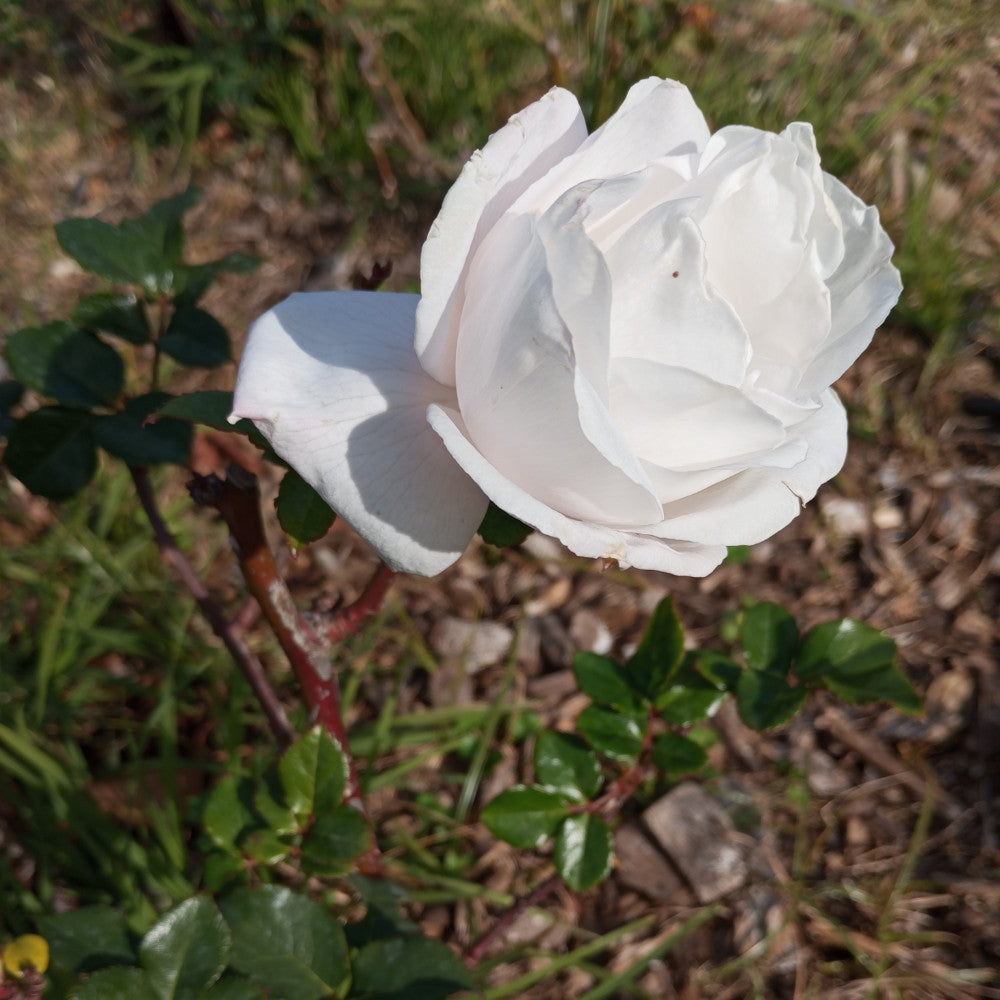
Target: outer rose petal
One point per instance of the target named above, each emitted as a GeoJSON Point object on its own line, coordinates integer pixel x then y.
{"type": "Point", "coordinates": [520, 153]}
{"type": "Point", "coordinates": [332, 381]}
{"type": "Point", "coordinates": [629, 548]}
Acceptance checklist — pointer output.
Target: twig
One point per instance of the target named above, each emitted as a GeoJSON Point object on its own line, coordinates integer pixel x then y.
{"type": "Point", "coordinates": [237, 499]}
{"type": "Point", "coordinates": [252, 668]}
{"type": "Point", "coordinates": [507, 918]}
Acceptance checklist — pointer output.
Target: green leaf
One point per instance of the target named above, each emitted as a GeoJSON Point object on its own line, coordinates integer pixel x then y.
{"type": "Point", "coordinates": [10, 394]}
{"type": "Point", "coordinates": [766, 700]}
{"type": "Point", "coordinates": [303, 514]}
{"type": "Point", "coordinates": [408, 968]}
{"type": "Point", "coordinates": [335, 841]}
{"type": "Point", "coordinates": [212, 408]}
{"type": "Point", "coordinates": [166, 220]}
{"type": "Point", "coordinates": [718, 670]}
{"type": "Point", "coordinates": [68, 364]}
{"type": "Point", "coordinates": [87, 939]}
{"type": "Point", "coordinates": [526, 816]}
{"type": "Point", "coordinates": [196, 338]}
{"type": "Point", "coordinates": [127, 436]}
{"type": "Point", "coordinates": [691, 696]}
{"type": "Point", "coordinates": [383, 913]}
{"type": "Point", "coordinates": [228, 811]}
{"type": "Point", "coordinates": [120, 315]}
{"type": "Point", "coordinates": [565, 763]}
{"type": "Point", "coordinates": [286, 943]}
{"type": "Point", "coordinates": [313, 774]}
{"type": "Point", "coordinates": [769, 636]}
{"type": "Point", "coordinates": [674, 754]}
{"type": "Point", "coordinates": [126, 253]}
{"type": "Point", "coordinates": [502, 529]}
{"type": "Point", "coordinates": [264, 847]}
{"type": "Point", "coordinates": [52, 451]}
{"type": "Point", "coordinates": [186, 950]}
{"type": "Point", "coordinates": [660, 652]}
{"type": "Point", "coordinates": [583, 851]}
{"type": "Point", "coordinates": [857, 663]}
{"type": "Point", "coordinates": [117, 983]}
{"type": "Point", "coordinates": [223, 871]}
{"type": "Point", "coordinates": [609, 732]}
{"type": "Point", "coordinates": [606, 683]}
{"type": "Point", "coordinates": [269, 801]}
{"type": "Point", "coordinates": [233, 988]}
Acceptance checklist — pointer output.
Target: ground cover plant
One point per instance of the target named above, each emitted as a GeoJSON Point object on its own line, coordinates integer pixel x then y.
{"type": "Point", "coordinates": [139, 767]}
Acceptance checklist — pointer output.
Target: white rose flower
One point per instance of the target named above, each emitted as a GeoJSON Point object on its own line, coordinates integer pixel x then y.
{"type": "Point", "coordinates": [626, 340]}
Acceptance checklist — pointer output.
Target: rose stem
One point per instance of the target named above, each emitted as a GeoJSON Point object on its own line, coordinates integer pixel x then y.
{"type": "Point", "coordinates": [347, 621]}
{"type": "Point", "coordinates": [237, 499]}
{"type": "Point", "coordinates": [252, 668]}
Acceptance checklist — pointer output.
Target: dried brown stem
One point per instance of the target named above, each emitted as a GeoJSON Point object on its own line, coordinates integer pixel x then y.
{"type": "Point", "coordinates": [252, 668]}
{"type": "Point", "coordinates": [507, 918]}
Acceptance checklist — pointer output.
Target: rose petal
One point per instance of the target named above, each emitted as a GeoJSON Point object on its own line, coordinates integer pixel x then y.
{"type": "Point", "coordinates": [680, 420]}
{"type": "Point", "coordinates": [662, 307]}
{"type": "Point", "coordinates": [754, 504]}
{"type": "Point", "coordinates": [630, 548]}
{"type": "Point", "coordinates": [332, 381]}
{"type": "Point", "coordinates": [863, 289]}
{"type": "Point", "coordinates": [658, 118]}
{"type": "Point", "coordinates": [520, 153]}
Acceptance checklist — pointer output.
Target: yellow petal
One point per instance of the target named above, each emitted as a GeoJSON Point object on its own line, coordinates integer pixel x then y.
{"type": "Point", "coordinates": [27, 951]}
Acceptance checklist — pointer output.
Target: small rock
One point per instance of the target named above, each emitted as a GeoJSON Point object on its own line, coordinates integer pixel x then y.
{"type": "Point", "coordinates": [825, 777]}
{"type": "Point", "coordinates": [473, 644]}
{"type": "Point", "coordinates": [642, 867]}
{"type": "Point", "coordinates": [697, 834]}
{"type": "Point", "coordinates": [590, 633]}
{"type": "Point", "coordinates": [848, 518]}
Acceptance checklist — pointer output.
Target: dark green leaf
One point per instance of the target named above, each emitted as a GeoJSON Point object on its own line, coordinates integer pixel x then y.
{"type": "Point", "coordinates": [186, 950]}
{"type": "Point", "coordinates": [335, 841]}
{"type": "Point", "coordinates": [408, 968]}
{"type": "Point", "coordinates": [233, 988]}
{"type": "Point", "coordinates": [857, 663]}
{"type": "Point", "coordinates": [223, 871]}
{"type": "Point", "coordinates": [303, 514]}
{"type": "Point", "coordinates": [313, 774]}
{"type": "Point", "coordinates": [66, 363]}
{"type": "Point", "coordinates": [525, 816]}
{"type": "Point", "coordinates": [691, 696]}
{"type": "Point", "coordinates": [660, 652]}
{"type": "Point", "coordinates": [565, 763]}
{"type": "Point", "coordinates": [502, 529]}
{"type": "Point", "coordinates": [126, 253]}
{"type": "Point", "coordinates": [269, 801]}
{"type": "Point", "coordinates": [769, 636]}
{"type": "Point", "coordinates": [674, 754]}
{"type": "Point", "coordinates": [10, 394]}
{"type": "Point", "coordinates": [766, 700]}
{"type": "Point", "coordinates": [265, 847]}
{"type": "Point", "coordinates": [166, 220]}
{"type": "Point", "coordinates": [117, 983]}
{"type": "Point", "coordinates": [286, 943]}
{"type": "Point", "coordinates": [609, 732]}
{"type": "Point", "coordinates": [717, 669]}
{"type": "Point", "coordinates": [121, 315]}
{"type": "Point", "coordinates": [196, 338]}
{"type": "Point", "coordinates": [583, 851]}
{"type": "Point", "coordinates": [127, 436]}
{"type": "Point", "coordinates": [606, 683]}
{"type": "Point", "coordinates": [383, 917]}
{"type": "Point", "coordinates": [212, 408]}
{"type": "Point", "coordinates": [52, 451]}
{"type": "Point", "coordinates": [228, 811]}
{"type": "Point", "coordinates": [87, 939]}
